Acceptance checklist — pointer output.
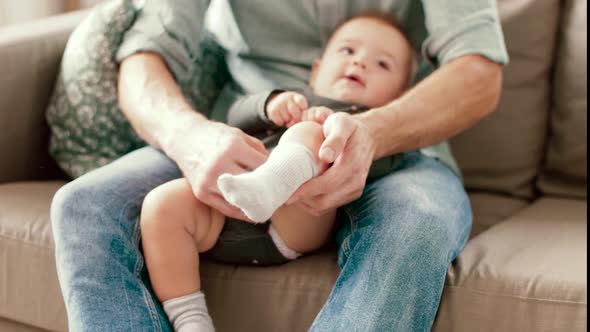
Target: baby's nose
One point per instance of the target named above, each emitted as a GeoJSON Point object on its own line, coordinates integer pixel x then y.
{"type": "Point", "coordinates": [359, 62]}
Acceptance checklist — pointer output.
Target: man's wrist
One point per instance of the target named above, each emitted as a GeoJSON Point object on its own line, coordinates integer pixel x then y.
{"type": "Point", "coordinates": [378, 123]}
{"type": "Point", "coordinates": [175, 126]}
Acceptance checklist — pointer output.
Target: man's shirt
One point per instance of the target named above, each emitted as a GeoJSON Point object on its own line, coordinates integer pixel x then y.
{"type": "Point", "coordinates": [273, 44]}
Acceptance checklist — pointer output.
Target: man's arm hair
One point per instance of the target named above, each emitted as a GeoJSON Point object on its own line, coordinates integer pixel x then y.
{"type": "Point", "coordinates": [450, 100]}
{"type": "Point", "coordinates": [152, 100]}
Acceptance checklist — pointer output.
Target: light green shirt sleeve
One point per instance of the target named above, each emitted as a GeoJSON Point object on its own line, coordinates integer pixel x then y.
{"type": "Point", "coordinates": [169, 28]}
{"type": "Point", "coordinates": [458, 28]}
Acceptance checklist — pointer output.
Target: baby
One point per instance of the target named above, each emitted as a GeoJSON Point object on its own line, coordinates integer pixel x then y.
{"type": "Point", "coordinates": [367, 63]}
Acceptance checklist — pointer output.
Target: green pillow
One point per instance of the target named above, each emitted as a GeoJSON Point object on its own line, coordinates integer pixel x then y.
{"type": "Point", "coordinates": [88, 129]}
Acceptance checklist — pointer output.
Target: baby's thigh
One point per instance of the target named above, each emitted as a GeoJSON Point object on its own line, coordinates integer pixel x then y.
{"type": "Point", "coordinates": [300, 231]}
{"type": "Point", "coordinates": [172, 207]}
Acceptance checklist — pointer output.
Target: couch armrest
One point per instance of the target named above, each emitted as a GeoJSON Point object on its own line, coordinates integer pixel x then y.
{"type": "Point", "coordinates": [30, 55]}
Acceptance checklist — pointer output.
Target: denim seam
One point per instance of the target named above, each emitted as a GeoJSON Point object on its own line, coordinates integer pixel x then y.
{"type": "Point", "coordinates": [146, 294]}
{"type": "Point", "coordinates": [153, 312]}
{"type": "Point", "coordinates": [346, 242]}
{"type": "Point", "coordinates": [152, 308]}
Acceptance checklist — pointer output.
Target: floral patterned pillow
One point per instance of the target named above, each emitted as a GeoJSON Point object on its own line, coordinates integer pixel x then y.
{"type": "Point", "coordinates": [88, 129]}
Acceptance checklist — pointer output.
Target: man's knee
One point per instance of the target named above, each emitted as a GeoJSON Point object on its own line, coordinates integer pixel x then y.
{"type": "Point", "coordinates": [67, 202]}
{"type": "Point", "coordinates": [423, 227]}
{"type": "Point", "coordinates": [80, 204]}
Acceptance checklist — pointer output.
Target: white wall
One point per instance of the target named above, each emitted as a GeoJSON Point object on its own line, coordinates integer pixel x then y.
{"type": "Point", "coordinates": [14, 11]}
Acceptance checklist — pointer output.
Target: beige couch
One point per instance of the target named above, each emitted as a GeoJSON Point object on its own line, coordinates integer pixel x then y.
{"type": "Point", "coordinates": [524, 268]}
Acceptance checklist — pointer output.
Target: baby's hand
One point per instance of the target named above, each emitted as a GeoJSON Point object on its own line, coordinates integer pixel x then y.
{"type": "Point", "coordinates": [317, 114]}
{"type": "Point", "coordinates": [285, 109]}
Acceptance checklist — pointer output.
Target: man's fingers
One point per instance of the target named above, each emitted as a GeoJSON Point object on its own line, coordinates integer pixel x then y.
{"type": "Point", "coordinates": [312, 188]}
{"type": "Point", "coordinates": [337, 130]}
{"type": "Point", "coordinates": [233, 169]}
{"type": "Point", "coordinates": [255, 143]}
{"type": "Point", "coordinates": [248, 157]}
{"type": "Point", "coordinates": [322, 202]}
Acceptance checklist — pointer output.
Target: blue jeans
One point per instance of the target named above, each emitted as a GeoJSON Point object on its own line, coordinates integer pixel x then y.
{"type": "Point", "coordinates": [395, 244]}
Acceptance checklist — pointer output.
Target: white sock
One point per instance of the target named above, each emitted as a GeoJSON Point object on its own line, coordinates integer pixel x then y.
{"type": "Point", "coordinates": [189, 313]}
{"type": "Point", "coordinates": [261, 192]}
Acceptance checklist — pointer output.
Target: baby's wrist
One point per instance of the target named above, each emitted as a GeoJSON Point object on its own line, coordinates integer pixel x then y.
{"type": "Point", "coordinates": [270, 98]}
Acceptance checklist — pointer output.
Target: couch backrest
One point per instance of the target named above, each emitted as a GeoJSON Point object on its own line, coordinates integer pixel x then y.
{"type": "Point", "coordinates": [504, 152]}
{"type": "Point", "coordinates": [30, 54]}
{"type": "Point", "coordinates": [566, 163]}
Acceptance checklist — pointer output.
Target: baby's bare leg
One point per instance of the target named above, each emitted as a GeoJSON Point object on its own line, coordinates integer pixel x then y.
{"type": "Point", "coordinates": [300, 231]}
{"type": "Point", "coordinates": [175, 227]}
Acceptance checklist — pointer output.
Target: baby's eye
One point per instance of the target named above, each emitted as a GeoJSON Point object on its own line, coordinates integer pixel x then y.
{"type": "Point", "coordinates": [384, 65]}
{"type": "Point", "coordinates": [347, 50]}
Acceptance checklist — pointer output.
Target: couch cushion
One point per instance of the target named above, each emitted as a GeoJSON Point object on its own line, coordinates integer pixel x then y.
{"type": "Point", "coordinates": [529, 270]}
{"type": "Point", "coordinates": [567, 157]}
{"type": "Point", "coordinates": [87, 128]}
{"type": "Point", "coordinates": [32, 294]}
{"type": "Point", "coordinates": [26, 238]}
{"type": "Point", "coordinates": [503, 152]}
{"type": "Point", "coordinates": [12, 326]}
{"type": "Point", "coordinates": [246, 293]}
{"type": "Point", "coordinates": [28, 282]}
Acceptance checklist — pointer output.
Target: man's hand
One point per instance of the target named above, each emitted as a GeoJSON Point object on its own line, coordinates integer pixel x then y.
{"type": "Point", "coordinates": [155, 106]}
{"type": "Point", "coordinates": [350, 146]}
{"type": "Point", "coordinates": [285, 109]}
{"type": "Point", "coordinates": [207, 149]}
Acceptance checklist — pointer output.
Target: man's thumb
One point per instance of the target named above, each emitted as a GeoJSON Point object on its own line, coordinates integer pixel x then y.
{"type": "Point", "coordinates": [327, 153]}
{"type": "Point", "coordinates": [336, 133]}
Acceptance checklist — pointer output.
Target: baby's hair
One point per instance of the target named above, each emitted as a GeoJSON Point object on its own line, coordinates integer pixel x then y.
{"type": "Point", "coordinates": [388, 19]}
{"type": "Point", "coordinates": [381, 16]}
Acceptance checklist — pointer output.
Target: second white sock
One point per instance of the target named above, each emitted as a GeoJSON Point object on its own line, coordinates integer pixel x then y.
{"type": "Point", "coordinates": [261, 192]}
{"type": "Point", "coordinates": [189, 313]}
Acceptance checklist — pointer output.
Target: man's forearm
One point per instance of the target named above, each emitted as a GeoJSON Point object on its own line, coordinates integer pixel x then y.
{"type": "Point", "coordinates": [152, 100]}
{"type": "Point", "coordinates": [452, 99]}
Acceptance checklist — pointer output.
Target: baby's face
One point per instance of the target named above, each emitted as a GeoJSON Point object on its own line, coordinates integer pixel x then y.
{"type": "Point", "coordinates": [366, 62]}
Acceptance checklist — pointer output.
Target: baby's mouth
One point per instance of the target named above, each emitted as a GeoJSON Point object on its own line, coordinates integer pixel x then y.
{"type": "Point", "coordinates": [355, 79]}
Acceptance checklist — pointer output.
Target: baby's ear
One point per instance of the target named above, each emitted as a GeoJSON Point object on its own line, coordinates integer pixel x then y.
{"type": "Point", "coordinates": [314, 72]}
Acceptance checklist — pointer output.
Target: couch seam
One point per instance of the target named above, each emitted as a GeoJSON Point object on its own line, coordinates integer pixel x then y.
{"type": "Point", "coordinates": [513, 296]}
{"type": "Point", "coordinates": [25, 242]}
